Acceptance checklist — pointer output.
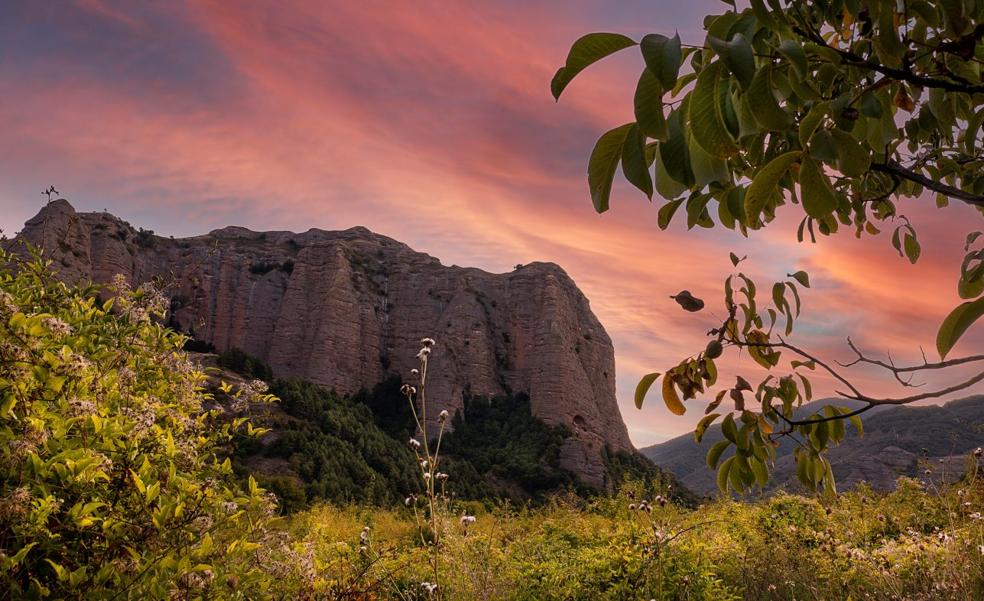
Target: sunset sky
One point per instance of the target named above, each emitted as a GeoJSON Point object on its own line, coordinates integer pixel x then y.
{"type": "Point", "coordinates": [431, 122]}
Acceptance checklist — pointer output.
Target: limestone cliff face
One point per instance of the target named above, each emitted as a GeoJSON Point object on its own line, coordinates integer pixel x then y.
{"type": "Point", "coordinates": [345, 309]}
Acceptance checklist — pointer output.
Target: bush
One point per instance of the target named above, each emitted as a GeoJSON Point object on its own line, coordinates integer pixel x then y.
{"type": "Point", "coordinates": [111, 478]}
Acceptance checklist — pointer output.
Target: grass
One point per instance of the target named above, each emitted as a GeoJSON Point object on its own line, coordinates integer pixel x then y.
{"type": "Point", "coordinates": [910, 544]}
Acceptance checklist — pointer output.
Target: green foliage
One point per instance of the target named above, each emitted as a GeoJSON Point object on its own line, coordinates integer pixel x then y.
{"type": "Point", "coordinates": [913, 543]}
{"type": "Point", "coordinates": [111, 475]}
{"type": "Point", "coordinates": [832, 110]}
{"type": "Point", "coordinates": [497, 441]}
{"type": "Point", "coordinates": [244, 364]}
{"type": "Point", "coordinates": [326, 447]}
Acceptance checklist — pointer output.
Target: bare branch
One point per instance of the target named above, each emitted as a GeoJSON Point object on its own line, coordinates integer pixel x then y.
{"type": "Point", "coordinates": [894, 169]}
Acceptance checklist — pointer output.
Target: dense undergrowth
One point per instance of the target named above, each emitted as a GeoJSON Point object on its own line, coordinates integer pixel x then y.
{"type": "Point", "coordinates": [912, 544]}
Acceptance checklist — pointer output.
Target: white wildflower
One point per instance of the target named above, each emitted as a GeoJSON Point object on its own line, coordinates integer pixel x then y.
{"type": "Point", "coordinates": [427, 342]}
{"type": "Point", "coordinates": [467, 520]}
{"type": "Point", "coordinates": [414, 443]}
{"type": "Point", "coordinates": [57, 327]}
{"type": "Point", "coordinates": [443, 416]}
{"type": "Point", "coordinates": [422, 353]}
{"type": "Point", "coordinates": [415, 372]}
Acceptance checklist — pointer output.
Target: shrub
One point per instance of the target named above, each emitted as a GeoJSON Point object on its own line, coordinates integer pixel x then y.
{"type": "Point", "coordinates": [110, 471]}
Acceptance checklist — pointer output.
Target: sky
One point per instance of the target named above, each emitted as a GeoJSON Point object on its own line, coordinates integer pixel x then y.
{"type": "Point", "coordinates": [430, 122]}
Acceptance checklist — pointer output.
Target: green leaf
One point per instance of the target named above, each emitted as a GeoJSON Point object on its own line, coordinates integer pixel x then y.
{"type": "Point", "coordinates": [802, 277]}
{"type": "Point", "coordinates": [702, 425]}
{"type": "Point", "coordinates": [762, 103]}
{"type": "Point", "coordinates": [663, 57]}
{"type": "Point", "coordinates": [852, 158]}
{"type": "Point", "coordinates": [675, 152]}
{"type": "Point", "coordinates": [714, 453]}
{"type": "Point", "coordinates": [603, 163]}
{"type": "Point", "coordinates": [737, 56]}
{"type": "Point", "coordinates": [912, 248]}
{"type": "Point", "coordinates": [764, 186]}
{"type": "Point", "coordinates": [706, 113]}
{"type": "Point", "coordinates": [817, 196]}
{"type": "Point", "coordinates": [634, 164]}
{"type": "Point", "coordinates": [811, 121]}
{"type": "Point", "coordinates": [760, 471]}
{"type": "Point", "coordinates": [666, 212]}
{"type": "Point", "coordinates": [724, 472]}
{"type": "Point", "coordinates": [648, 102]}
{"type": "Point", "coordinates": [707, 168]}
{"type": "Point", "coordinates": [643, 387]}
{"type": "Point", "coordinates": [729, 429]}
{"type": "Point", "coordinates": [585, 51]}
{"type": "Point", "coordinates": [956, 323]}
{"type": "Point", "coordinates": [793, 52]}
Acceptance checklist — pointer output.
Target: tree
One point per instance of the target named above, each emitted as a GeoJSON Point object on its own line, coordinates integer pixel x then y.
{"type": "Point", "coordinates": [837, 108]}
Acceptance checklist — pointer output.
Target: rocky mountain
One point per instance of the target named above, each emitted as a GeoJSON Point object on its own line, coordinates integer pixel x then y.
{"type": "Point", "coordinates": [345, 309]}
{"type": "Point", "coordinates": [897, 441]}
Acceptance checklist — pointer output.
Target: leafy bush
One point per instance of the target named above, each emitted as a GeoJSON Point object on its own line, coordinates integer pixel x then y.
{"type": "Point", "coordinates": [110, 475]}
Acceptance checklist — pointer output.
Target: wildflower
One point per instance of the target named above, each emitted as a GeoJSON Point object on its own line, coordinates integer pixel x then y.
{"type": "Point", "coordinates": [422, 353]}
{"type": "Point", "coordinates": [980, 549]}
{"type": "Point", "coordinates": [661, 500]}
{"type": "Point", "coordinates": [441, 476]}
{"type": "Point", "coordinates": [430, 587]}
{"type": "Point", "coordinates": [427, 476]}
{"type": "Point", "coordinates": [978, 452]}
{"type": "Point", "coordinates": [230, 507]}
{"type": "Point", "coordinates": [443, 415]}
{"type": "Point", "coordinates": [81, 408]}
{"type": "Point", "coordinates": [976, 515]}
{"type": "Point", "coordinates": [7, 302]}
{"type": "Point", "coordinates": [364, 535]}
{"type": "Point", "coordinates": [414, 443]}
{"type": "Point", "coordinates": [202, 523]}
{"type": "Point", "coordinates": [967, 504]}
{"type": "Point", "coordinates": [467, 520]}
{"type": "Point", "coordinates": [423, 464]}
{"type": "Point", "coordinates": [427, 342]}
{"type": "Point", "coordinates": [57, 327]}
{"type": "Point", "coordinates": [632, 506]}
{"type": "Point", "coordinates": [414, 372]}
{"type": "Point", "coordinates": [408, 501]}
{"type": "Point", "coordinates": [408, 390]}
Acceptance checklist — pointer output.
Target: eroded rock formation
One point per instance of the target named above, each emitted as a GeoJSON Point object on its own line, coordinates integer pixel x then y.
{"type": "Point", "coordinates": [345, 309]}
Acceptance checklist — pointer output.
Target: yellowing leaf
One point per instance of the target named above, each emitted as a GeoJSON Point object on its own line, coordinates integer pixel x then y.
{"type": "Point", "coordinates": [671, 398]}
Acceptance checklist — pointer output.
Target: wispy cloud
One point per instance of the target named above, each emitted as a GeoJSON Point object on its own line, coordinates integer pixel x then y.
{"type": "Point", "coordinates": [430, 122]}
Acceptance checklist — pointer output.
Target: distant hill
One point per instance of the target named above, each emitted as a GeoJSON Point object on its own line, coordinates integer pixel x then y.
{"type": "Point", "coordinates": [897, 441]}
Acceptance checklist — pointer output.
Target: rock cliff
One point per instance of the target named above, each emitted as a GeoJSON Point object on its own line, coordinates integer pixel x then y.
{"type": "Point", "coordinates": [345, 309]}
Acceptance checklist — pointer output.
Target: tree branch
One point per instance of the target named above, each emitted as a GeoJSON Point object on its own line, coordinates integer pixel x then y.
{"type": "Point", "coordinates": [897, 170]}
